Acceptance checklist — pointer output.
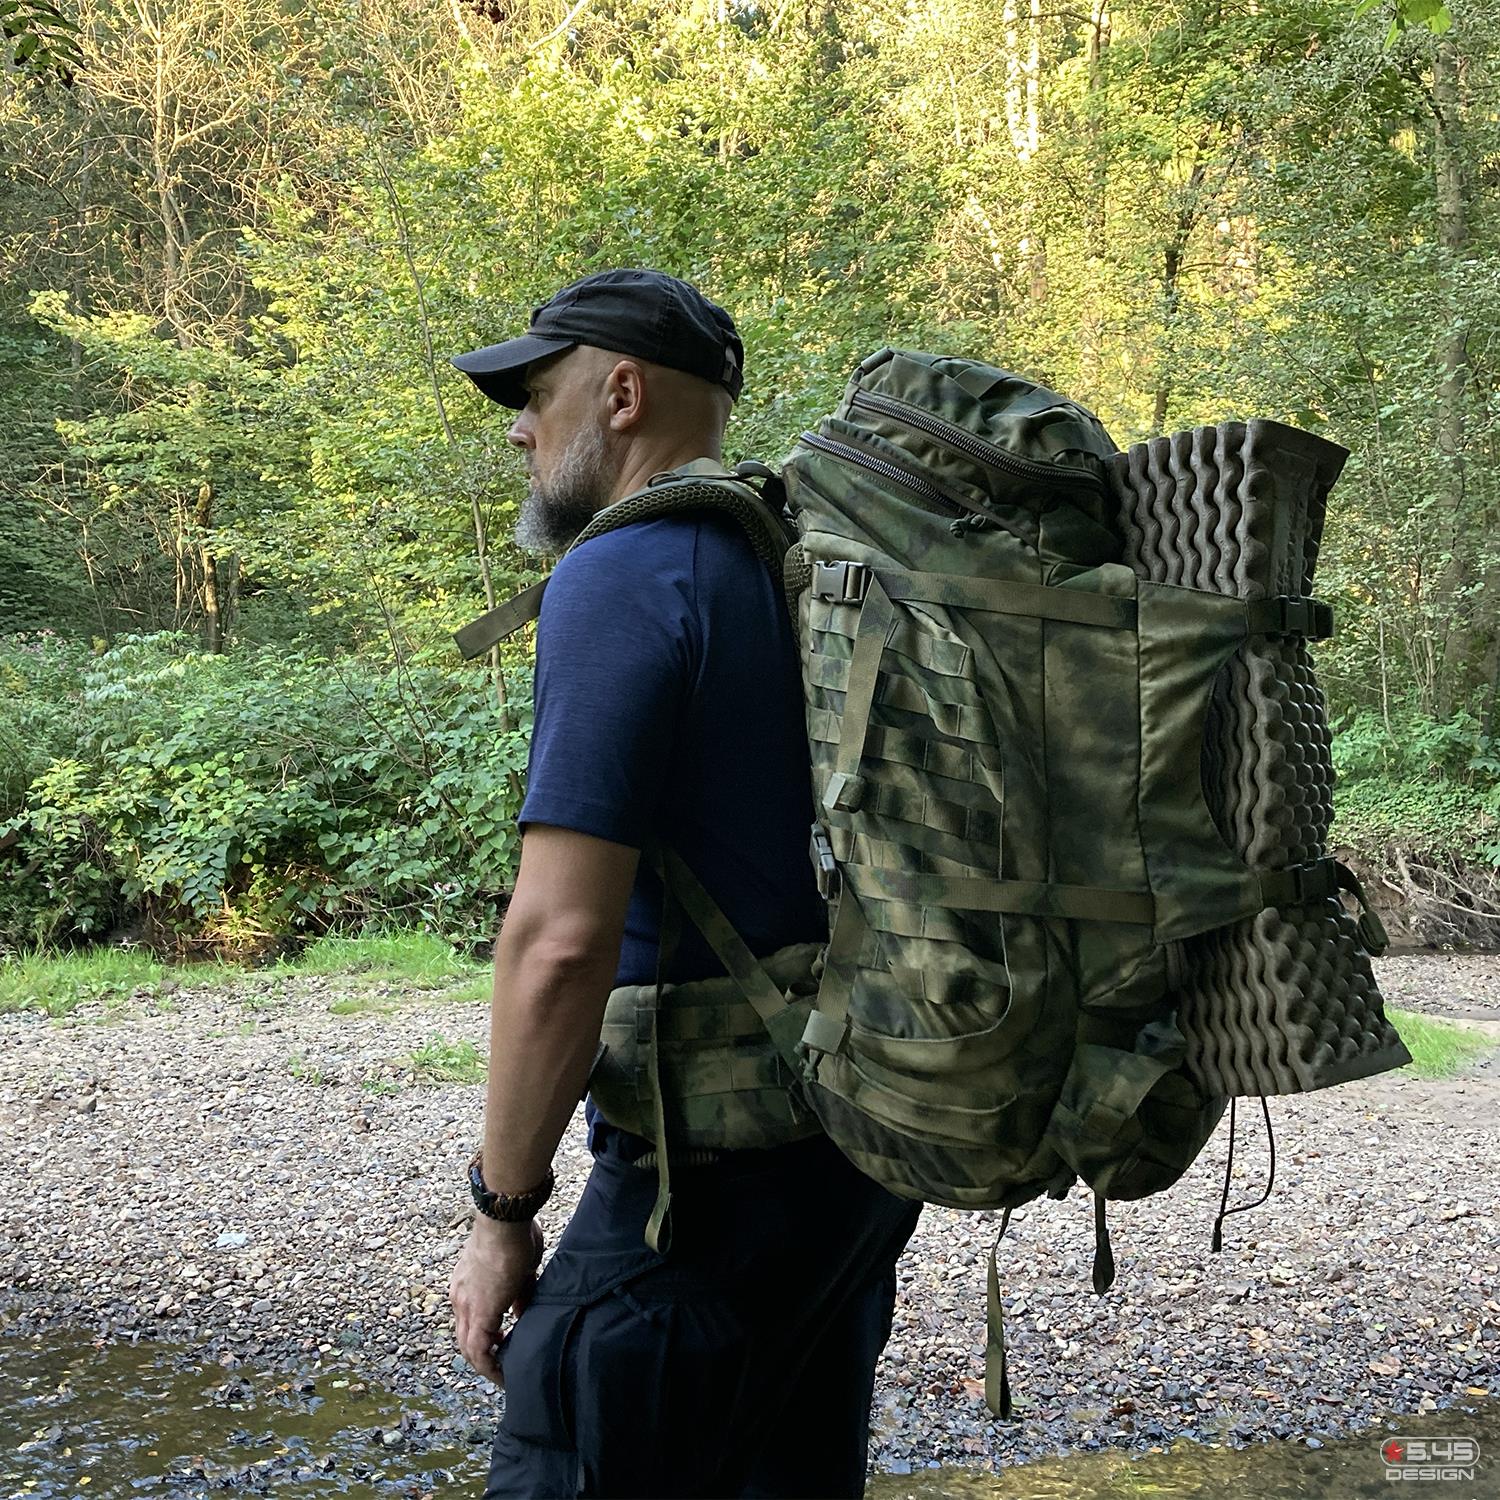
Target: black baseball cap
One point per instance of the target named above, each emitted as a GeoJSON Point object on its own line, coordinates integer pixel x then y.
{"type": "Point", "coordinates": [645, 313]}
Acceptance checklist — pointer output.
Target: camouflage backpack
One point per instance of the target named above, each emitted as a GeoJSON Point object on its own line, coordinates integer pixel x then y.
{"type": "Point", "coordinates": [1071, 915]}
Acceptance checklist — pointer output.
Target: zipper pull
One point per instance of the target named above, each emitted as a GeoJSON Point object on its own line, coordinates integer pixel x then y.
{"type": "Point", "coordinates": [965, 524]}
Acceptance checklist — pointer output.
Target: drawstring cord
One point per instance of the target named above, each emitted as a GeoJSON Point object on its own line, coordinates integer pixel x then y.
{"type": "Point", "coordinates": [1239, 1208]}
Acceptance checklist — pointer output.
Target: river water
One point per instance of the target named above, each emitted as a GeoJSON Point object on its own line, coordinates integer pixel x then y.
{"type": "Point", "coordinates": [79, 1420]}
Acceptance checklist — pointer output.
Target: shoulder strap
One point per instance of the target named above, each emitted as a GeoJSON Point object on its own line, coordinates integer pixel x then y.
{"type": "Point", "coordinates": [730, 491]}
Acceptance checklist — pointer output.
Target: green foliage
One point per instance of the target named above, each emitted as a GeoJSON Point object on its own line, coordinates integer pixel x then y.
{"type": "Point", "coordinates": [1434, 15]}
{"type": "Point", "coordinates": [1438, 1048]}
{"type": "Point", "coordinates": [439, 1060]}
{"type": "Point", "coordinates": [38, 39]}
{"type": "Point", "coordinates": [271, 792]}
{"type": "Point", "coordinates": [237, 262]}
{"type": "Point", "coordinates": [1418, 783]}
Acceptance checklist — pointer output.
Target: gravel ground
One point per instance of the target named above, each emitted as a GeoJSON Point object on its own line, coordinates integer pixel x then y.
{"type": "Point", "coordinates": [239, 1169]}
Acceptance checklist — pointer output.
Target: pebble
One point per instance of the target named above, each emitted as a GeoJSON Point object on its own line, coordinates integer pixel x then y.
{"type": "Point", "coordinates": [1364, 1287]}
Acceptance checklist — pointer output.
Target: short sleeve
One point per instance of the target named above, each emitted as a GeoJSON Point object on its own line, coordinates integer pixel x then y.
{"type": "Point", "coordinates": [617, 645]}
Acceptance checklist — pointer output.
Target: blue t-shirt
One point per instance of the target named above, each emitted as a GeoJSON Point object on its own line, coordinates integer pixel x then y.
{"type": "Point", "coordinates": [668, 705]}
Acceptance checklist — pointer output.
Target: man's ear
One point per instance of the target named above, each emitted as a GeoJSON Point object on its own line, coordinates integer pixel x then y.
{"type": "Point", "coordinates": [625, 396]}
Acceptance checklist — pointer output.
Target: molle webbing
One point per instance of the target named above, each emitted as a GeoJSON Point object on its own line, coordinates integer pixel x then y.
{"type": "Point", "coordinates": [1283, 1001]}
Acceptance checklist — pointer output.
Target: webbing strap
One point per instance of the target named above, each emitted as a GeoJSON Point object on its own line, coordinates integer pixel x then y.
{"type": "Point", "coordinates": [659, 1225]}
{"type": "Point", "coordinates": [996, 1377]}
{"type": "Point", "coordinates": [1104, 1255]}
{"type": "Point", "coordinates": [1299, 885]}
{"type": "Point", "coordinates": [1030, 898]}
{"type": "Point", "coordinates": [776, 1013]}
{"type": "Point", "coordinates": [876, 617]}
{"type": "Point", "coordinates": [828, 1024]}
{"type": "Point", "coordinates": [505, 619]}
{"type": "Point", "coordinates": [846, 583]}
{"type": "Point", "coordinates": [1290, 614]}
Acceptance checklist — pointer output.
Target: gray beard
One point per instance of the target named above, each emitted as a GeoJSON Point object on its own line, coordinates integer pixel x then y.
{"type": "Point", "coordinates": [552, 514]}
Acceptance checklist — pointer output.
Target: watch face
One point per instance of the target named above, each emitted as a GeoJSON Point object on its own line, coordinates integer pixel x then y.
{"type": "Point", "coordinates": [482, 1195]}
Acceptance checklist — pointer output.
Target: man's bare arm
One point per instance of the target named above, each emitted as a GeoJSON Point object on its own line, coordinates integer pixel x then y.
{"type": "Point", "coordinates": [554, 966]}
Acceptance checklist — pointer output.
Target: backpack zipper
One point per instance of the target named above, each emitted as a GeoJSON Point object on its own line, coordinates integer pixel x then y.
{"type": "Point", "coordinates": [965, 442]}
{"type": "Point", "coordinates": [934, 497]}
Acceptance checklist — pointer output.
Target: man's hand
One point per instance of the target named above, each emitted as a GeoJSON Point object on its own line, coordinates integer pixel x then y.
{"type": "Point", "coordinates": [495, 1272]}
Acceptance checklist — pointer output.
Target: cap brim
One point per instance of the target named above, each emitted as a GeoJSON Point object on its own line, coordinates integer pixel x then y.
{"type": "Point", "coordinates": [499, 370]}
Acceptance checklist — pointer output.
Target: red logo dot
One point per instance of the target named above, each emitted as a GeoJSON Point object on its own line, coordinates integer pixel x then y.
{"type": "Point", "coordinates": [1393, 1452]}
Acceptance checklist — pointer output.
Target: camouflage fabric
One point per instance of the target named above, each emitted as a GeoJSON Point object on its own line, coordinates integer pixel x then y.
{"type": "Point", "coordinates": [994, 1022]}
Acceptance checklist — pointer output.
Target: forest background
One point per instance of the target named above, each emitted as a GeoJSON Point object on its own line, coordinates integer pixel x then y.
{"type": "Point", "coordinates": [244, 500]}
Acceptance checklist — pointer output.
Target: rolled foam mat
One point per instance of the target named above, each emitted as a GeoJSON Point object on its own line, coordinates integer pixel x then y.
{"type": "Point", "coordinates": [1284, 1001]}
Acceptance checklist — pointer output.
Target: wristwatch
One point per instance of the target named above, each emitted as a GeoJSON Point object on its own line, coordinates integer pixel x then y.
{"type": "Point", "coordinates": [508, 1208]}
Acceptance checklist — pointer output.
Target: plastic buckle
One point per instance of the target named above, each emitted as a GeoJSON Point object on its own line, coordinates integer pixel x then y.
{"type": "Point", "coordinates": [825, 866]}
{"type": "Point", "coordinates": [843, 582]}
{"type": "Point", "coordinates": [1311, 883]}
{"type": "Point", "coordinates": [1296, 614]}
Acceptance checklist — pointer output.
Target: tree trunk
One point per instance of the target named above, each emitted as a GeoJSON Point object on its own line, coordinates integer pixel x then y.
{"type": "Point", "coordinates": [80, 299]}
{"type": "Point", "coordinates": [213, 625]}
{"type": "Point", "coordinates": [1171, 287]}
{"type": "Point", "coordinates": [429, 359]}
{"type": "Point", "coordinates": [1452, 192]}
{"type": "Point", "coordinates": [1023, 68]}
{"type": "Point", "coordinates": [1091, 333]}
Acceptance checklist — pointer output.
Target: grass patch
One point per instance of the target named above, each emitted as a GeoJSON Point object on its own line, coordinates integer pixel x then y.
{"type": "Point", "coordinates": [438, 1060]}
{"type": "Point", "coordinates": [478, 988]}
{"type": "Point", "coordinates": [1438, 1049]}
{"type": "Point", "coordinates": [56, 983]}
{"type": "Point", "coordinates": [418, 958]}
{"type": "Point", "coordinates": [303, 1071]}
{"type": "Point", "coordinates": [361, 1005]}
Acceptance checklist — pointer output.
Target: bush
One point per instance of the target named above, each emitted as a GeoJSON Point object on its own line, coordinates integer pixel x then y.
{"type": "Point", "coordinates": [236, 796]}
{"type": "Point", "coordinates": [1418, 783]}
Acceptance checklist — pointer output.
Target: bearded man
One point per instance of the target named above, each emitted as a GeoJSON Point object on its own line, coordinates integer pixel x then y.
{"type": "Point", "coordinates": [740, 1360]}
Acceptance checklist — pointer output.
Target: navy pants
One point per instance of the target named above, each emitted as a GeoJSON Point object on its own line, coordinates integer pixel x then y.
{"type": "Point", "coordinates": [739, 1364]}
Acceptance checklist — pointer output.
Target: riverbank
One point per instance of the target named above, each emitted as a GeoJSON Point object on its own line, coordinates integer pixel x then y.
{"type": "Point", "coordinates": [270, 1168]}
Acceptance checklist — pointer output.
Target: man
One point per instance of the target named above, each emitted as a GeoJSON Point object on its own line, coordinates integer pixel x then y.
{"type": "Point", "coordinates": [739, 1361]}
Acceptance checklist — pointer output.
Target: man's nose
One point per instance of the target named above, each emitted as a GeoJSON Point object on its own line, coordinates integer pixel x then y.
{"type": "Point", "coordinates": [520, 432]}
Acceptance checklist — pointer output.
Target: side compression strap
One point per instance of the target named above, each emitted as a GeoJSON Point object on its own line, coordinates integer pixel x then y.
{"type": "Point", "coordinates": [1009, 597]}
{"type": "Point", "coordinates": [846, 582]}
